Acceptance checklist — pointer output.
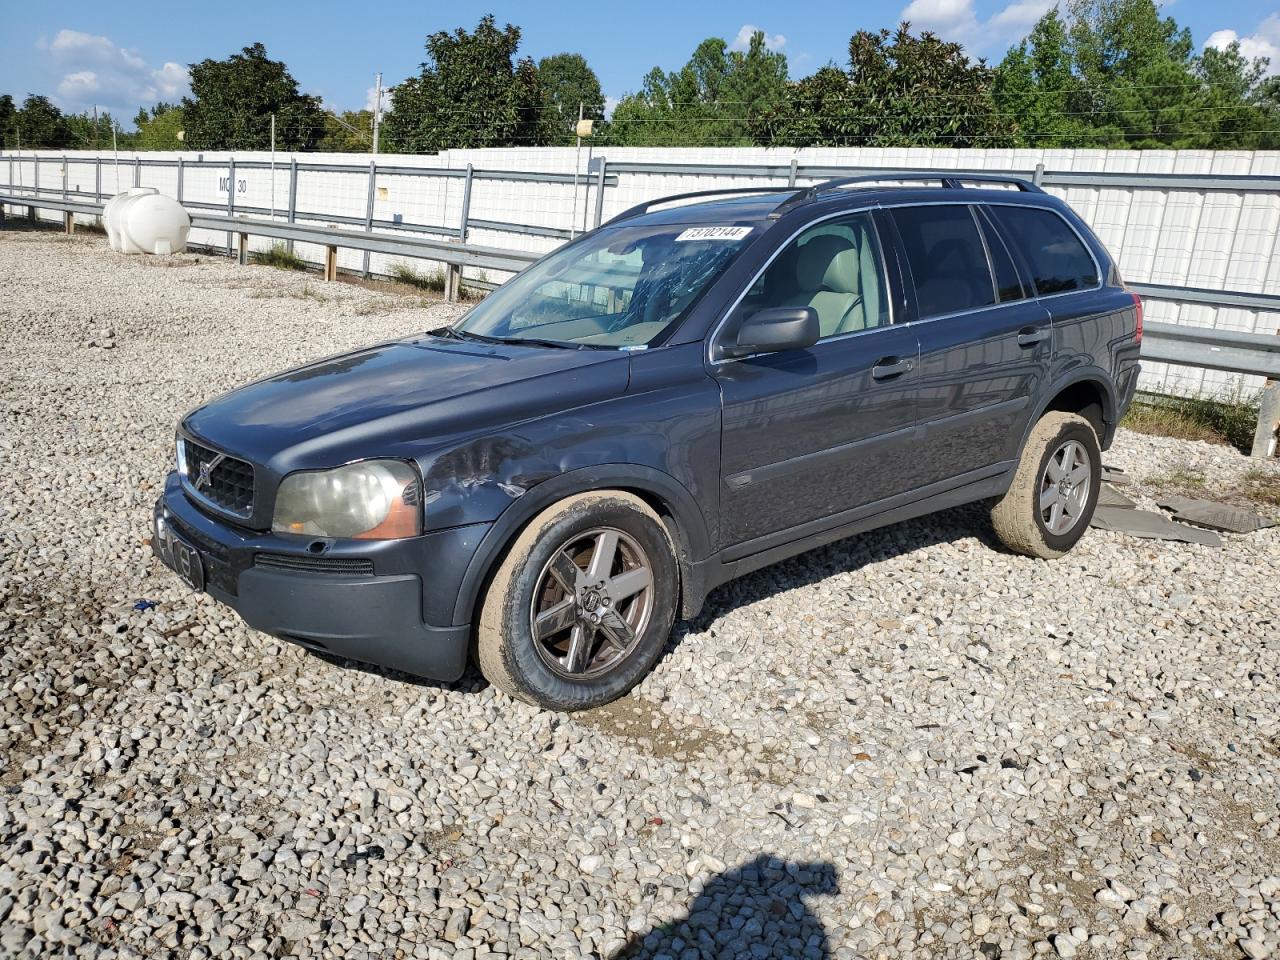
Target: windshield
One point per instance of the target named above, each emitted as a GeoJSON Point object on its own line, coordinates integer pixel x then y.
{"type": "Point", "coordinates": [620, 287]}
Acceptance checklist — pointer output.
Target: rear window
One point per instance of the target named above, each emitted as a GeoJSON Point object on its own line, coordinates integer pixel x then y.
{"type": "Point", "coordinates": [1058, 261]}
{"type": "Point", "coordinates": [948, 262]}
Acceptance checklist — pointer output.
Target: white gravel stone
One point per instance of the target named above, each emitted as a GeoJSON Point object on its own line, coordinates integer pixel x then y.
{"type": "Point", "coordinates": [848, 754]}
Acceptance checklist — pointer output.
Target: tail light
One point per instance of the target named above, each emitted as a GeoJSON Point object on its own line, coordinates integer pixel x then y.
{"type": "Point", "coordinates": [1137, 306]}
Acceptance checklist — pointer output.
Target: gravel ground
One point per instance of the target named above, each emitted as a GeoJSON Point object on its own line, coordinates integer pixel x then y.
{"type": "Point", "coordinates": [912, 744]}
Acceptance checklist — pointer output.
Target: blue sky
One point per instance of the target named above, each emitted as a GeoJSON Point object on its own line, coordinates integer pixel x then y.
{"type": "Point", "coordinates": [120, 56]}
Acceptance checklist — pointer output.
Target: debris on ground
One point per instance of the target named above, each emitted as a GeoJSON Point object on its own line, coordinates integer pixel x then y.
{"type": "Point", "coordinates": [1215, 516]}
{"type": "Point", "coordinates": [1151, 526]}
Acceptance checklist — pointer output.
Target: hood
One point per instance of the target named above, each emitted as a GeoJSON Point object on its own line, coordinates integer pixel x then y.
{"type": "Point", "coordinates": [388, 399]}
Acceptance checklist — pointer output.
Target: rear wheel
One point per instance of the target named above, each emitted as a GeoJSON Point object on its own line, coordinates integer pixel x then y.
{"type": "Point", "coordinates": [582, 605]}
{"type": "Point", "coordinates": [1049, 505]}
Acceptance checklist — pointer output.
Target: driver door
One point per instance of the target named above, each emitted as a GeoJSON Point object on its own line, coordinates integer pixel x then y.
{"type": "Point", "coordinates": [811, 434]}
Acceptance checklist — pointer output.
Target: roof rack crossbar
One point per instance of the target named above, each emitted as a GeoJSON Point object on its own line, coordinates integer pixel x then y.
{"type": "Point", "coordinates": [645, 207]}
{"type": "Point", "coordinates": [951, 181]}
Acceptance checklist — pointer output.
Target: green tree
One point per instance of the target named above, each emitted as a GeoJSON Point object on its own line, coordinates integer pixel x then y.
{"type": "Point", "coordinates": [232, 102]}
{"type": "Point", "coordinates": [1123, 75]}
{"type": "Point", "coordinates": [566, 81]}
{"type": "Point", "coordinates": [717, 98]}
{"type": "Point", "coordinates": [158, 128]}
{"type": "Point", "coordinates": [899, 90]}
{"type": "Point", "coordinates": [88, 133]}
{"type": "Point", "coordinates": [471, 93]}
{"type": "Point", "coordinates": [41, 125]}
{"type": "Point", "coordinates": [1037, 89]}
{"type": "Point", "coordinates": [348, 132]}
{"type": "Point", "coordinates": [8, 122]}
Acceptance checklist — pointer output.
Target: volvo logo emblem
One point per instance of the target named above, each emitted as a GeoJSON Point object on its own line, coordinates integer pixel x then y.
{"type": "Point", "coordinates": [206, 469]}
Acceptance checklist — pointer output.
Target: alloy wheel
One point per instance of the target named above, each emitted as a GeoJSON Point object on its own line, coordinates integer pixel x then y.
{"type": "Point", "coordinates": [1064, 487]}
{"type": "Point", "coordinates": [592, 603]}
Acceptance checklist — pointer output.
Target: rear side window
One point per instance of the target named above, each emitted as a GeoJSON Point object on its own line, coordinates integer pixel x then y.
{"type": "Point", "coordinates": [947, 259]}
{"type": "Point", "coordinates": [1058, 261]}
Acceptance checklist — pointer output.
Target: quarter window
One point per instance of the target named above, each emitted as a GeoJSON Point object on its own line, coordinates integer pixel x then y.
{"type": "Point", "coordinates": [834, 267]}
{"type": "Point", "coordinates": [1008, 286]}
{"type": "Point", "coordinates": [947, 259]}
{"type": "Point", "coordinates": [1059, 262]}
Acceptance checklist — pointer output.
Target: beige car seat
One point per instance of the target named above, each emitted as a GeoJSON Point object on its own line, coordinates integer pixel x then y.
{"type": "Point", "coordinates": [828, 278]}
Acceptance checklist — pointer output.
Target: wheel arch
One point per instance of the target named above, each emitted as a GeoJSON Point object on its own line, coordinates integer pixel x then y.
{"type": "Point", "coordinates": [1086, 391]}
{"type": "Point", "coordinates": [684, 520]}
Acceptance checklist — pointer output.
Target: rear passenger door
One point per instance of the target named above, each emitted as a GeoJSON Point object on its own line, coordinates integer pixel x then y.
{"type": "Point", "coordinates": [986, 344]}
{"type": "Point", "coordinates": [1062, 272]}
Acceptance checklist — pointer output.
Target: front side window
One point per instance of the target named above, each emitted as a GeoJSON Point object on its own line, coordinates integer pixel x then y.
{"type": "Point", "coordinates": [620, 287]}
{"type": "Point", "coordinates": [947, 259]}
{"type": "Point", "coordinates": [834, 267]}
{"type": "Point", "coordinates": [1058, 260]}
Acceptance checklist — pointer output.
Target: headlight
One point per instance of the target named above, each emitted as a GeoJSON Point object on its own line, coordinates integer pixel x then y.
{"type": "Point", "coordinates": [372, 500]}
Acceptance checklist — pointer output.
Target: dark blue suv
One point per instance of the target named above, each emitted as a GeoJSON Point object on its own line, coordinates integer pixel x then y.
{"type": "Point", "coordinates": [680, 397]}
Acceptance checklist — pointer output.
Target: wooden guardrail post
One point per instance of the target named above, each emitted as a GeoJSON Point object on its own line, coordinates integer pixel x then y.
{"type": "Point", "coordinates": [331, 263]}
{"type": "Point", "coordinates": [452, 282]}
{"type": "Point", "coordinates": [69, 223]}
{"type": "Point", "coordinates": [242, 246]}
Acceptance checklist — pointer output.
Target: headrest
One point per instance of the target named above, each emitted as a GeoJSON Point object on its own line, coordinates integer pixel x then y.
{"type": "Point", "coordinates": [828, 262]}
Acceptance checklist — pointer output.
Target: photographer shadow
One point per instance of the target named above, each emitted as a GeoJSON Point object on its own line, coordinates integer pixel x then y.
{"type": "Point", "coordinates": [754, 911]}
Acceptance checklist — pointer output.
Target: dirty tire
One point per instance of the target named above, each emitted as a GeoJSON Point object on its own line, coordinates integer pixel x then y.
{"type": "Point", "coordinates": [1017, 518]}
{"type": "Point", "coordinates": [506, 650]}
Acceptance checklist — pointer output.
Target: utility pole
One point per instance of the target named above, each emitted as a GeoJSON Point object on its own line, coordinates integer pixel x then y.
{"type": "Point", "coordinates": [273, 166]}
{"type": "Point", "coordinates": [577, 162]}
{"type": "Point", "coordinates": [95, 126]}
{"type": "Point", "coordinates": [377, 111]}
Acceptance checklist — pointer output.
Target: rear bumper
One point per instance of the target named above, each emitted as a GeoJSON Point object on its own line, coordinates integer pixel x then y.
{"type": "Point", "coordinates": [367, 601]}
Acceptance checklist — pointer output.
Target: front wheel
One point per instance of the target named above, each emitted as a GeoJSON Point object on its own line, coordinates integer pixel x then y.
{"type": "Point", "coordinates": [1047, 508]}
{"type": "Point", "coordinates": [582, 605]}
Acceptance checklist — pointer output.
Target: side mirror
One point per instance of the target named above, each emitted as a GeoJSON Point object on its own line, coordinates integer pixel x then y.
{"type": "Point", "coordinates": [774, 330]}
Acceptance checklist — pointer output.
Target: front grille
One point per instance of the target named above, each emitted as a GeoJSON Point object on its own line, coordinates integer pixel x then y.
{"type": "Point", "coordinates": [229, 485]}
{"type": "Point", "coordinates": [358, 566]}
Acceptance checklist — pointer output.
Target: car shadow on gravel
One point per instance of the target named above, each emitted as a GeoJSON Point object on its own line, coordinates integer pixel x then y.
{"type": "Point", "coordinates": [814, 566]}
{"type": "Point", "coordinates": [844, 556]}
{"type": "Point", "coordinates": [759, 909]}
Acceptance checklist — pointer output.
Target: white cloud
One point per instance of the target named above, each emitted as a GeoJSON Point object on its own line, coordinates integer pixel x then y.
{"type": "Point", "coordinates": [610, 104]}
{"type": "Point", "coordinates": [94, 70]}
{"type": "Point", "coordinates": [1263, 42]}
{"type": "Point", "coordinates": [743, 40]}
{"type": "Point", "coordinates": [957, 21]}
{"type": "Point", "coordinates": [76, 86]}
{"type": "Point", "coordinates": [1021, 16]}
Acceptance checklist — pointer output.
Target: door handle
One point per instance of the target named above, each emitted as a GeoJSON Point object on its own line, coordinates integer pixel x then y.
{"type": "Point", "coordinates": [890, 367]}
{"type": "Point", "coordinates": [1030, 336]}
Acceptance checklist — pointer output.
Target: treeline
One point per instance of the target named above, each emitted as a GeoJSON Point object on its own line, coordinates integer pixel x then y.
{"type": "Point", "coordinates": [1100, 73]}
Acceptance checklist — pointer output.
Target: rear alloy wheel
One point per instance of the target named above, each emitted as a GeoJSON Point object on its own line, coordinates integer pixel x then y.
{"type": "Point", "coordinates": [581, 607]}
{"type": "Point", "coordinates": [1055, 488]}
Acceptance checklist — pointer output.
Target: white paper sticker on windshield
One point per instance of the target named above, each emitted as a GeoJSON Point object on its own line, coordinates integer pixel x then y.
{"type": "Point", "coordinates": [714, 233]}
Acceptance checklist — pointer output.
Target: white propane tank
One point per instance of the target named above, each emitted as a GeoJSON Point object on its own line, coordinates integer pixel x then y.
{"type": "Point", "coordinates": [153, 223]}
{"type": "Point", "coordinates": [111, 213]}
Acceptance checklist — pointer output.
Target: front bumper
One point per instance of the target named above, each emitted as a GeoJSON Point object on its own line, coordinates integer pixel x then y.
{"type": "Point", "coordinates": [388, 603]}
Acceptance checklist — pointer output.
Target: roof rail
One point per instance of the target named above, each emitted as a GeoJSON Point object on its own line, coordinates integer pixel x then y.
{"type": "Point", "coordinates": [950, 181]}
{"type": "Point", "coordinates": [645, 207]}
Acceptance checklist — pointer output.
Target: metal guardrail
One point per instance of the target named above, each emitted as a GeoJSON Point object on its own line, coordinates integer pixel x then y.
{"type": "Point", "coordinates": [597, 179]}
{"type": "Point", "coordinates": [1202, 347]}
{"type": "Point", "coordinates": [1232, 351]}
{"type": "Point", "coordinates": [453, 254]}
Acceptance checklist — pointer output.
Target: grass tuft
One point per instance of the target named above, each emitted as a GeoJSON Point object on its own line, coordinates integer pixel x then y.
{"type": "Point", "coordinates": [1228, 420]}
{"type": "Point", "coordinates": [280, 256]}
{"type": "Point", "coordinates": [1262, 486]}
{"type": "Point", "coordinates": [432, 282]}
